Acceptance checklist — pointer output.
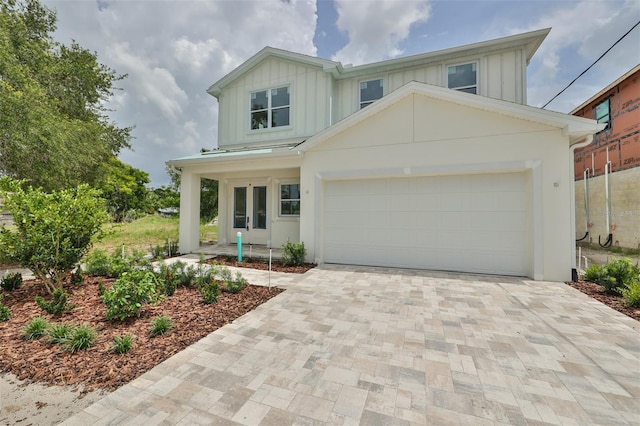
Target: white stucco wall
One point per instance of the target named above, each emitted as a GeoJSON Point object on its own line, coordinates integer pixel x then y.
{"type": "Point", "coordinates": [422, 136]}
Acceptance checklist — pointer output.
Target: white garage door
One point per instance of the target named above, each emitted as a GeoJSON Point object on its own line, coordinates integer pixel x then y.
{"type": "Point", "coordinates": [471, 223]}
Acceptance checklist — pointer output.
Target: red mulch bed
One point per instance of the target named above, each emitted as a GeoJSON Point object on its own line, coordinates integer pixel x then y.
{"type": "Point", "coordinates": [97, 367]}
{"type": "Point", "coordinates": [262, 264]}
{"type": "Point", "coordinates": [613, 301]}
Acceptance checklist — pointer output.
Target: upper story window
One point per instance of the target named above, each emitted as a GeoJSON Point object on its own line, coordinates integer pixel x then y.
{"type": "Point", "coordinates": [603, 113]}
{"type": "Point", "coordinates": [370, 91]}
{"type": "Point", "coordinates": [463, 77]}
{"type": "Point", "coordinates": [270, 108]}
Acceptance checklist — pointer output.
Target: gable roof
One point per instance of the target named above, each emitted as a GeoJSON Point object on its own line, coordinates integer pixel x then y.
{"type": "Point", "coordinates": [575, 127]}
{"type": "Point", "coordinates": [530, 41]}
{"type": "Point", "coordinates": [606, 89]}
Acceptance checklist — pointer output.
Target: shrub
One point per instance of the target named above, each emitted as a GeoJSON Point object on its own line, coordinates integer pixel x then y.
{"type": "Point", "coordinates": [58, 304]}
{"type": "Point", "coordinates": [209, 290]}
{"type": "Point", "coordinates": [5, 312]}
{"type": "Point", "coordinates": [59, 332]}
{"type": "Point", "coordinates": [101, 288]}
{"type": "Point", "coordinates": [168, 250]}
{"type": "Point", "coordinates": [80, 338]}
{"type": "Point", "coordinates": [97, 263]}
{"type": "Point", "coordinates": [122, 344]}
{"type": "Point", "coordinates": [129, 293]}
{"type": "Point", "coordinates": [52, 231]}
{"type": "Point", "coordinates": [11, 281]}
{"type": "Point", "coordinates": [35, 328]}
{"type": "Point", "coordinates": [77, 277]}
{"type": "Point", "coordinates": [293, 254]}
{"type": "Point", "coordinates": [160, 325]}
{"type": "Point", "coordinates": [233, 285]}
{"type": "Point", "coordinates": [613, 276]}
{"type": "Point", "coordinates": [631, 294]}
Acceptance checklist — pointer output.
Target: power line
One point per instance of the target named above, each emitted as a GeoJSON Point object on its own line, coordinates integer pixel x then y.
{"type": "Point", "coordinates": [590, 66]}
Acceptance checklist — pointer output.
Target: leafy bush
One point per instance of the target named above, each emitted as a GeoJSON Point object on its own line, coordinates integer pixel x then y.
{"type": "Point", "coordinates": [101, 288]}
{"type": "Point", "coordinates": [58, 304]}
{"type": "Point", "coordinates": [167, 279]}
{"type": "Point", "coordinates": [80, 338]}
{"type": "Point", "coordinates": [233, 285]}
{"type": "Point", "coordinates": [160, 325]}
{"type": "Point", "coordinates": [293, 254]}
{"type": "Point", "coordinates": [100, 263]}
{"type": "Point", "coordinates": [209, 290]}
{"type": "Point", "coordinates": [35, 328]}
{"type": "Point", "coordinates": [129, 293]}
{"type": "Point", "coordinates": [5, 312]}
{"type": "Point", "coordinates": [631, 294]}
{"type": "Point", "coordinates": [122, 344]}
{"type": "Point", "coordinates": [52, 231]}
{"type": "Point", "coordinates": [97, 263]}
{"type": "Point", "coordinates": [169, 249]}
{"type": "Point", "coordinates": [58, 333]}
{"type": "Point", "coordinates": [11, 281]}
{"type": "Point", "coordinates": [613, 276]}
{"type": "Point", "coordinates": [77, 277]}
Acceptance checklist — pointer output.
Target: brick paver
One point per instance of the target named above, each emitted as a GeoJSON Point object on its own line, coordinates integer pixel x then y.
{"type": "Point", "coordinates": [353, 345]}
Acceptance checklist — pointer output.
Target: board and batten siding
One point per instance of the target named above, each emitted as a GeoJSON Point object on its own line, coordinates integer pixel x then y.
{"type": "Point", "coordinates": [310, 97]}
{"type": "Point", "coordinates": [501, 75]}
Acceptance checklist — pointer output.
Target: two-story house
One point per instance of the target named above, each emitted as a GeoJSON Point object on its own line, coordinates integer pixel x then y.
{"type": "Point", "coordinates": [432, 161]}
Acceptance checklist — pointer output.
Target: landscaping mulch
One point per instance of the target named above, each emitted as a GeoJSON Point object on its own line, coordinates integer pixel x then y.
{"type": "Point", "coordinates": [613, 301]}
{"type": "Point", "coordinates": [98, 367]}
{"type": "Point", "coordinates": [262, 264]}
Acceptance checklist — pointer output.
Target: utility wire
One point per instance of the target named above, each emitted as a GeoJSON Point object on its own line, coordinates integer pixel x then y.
{"type": "Point", "coordinates": [590, 66]}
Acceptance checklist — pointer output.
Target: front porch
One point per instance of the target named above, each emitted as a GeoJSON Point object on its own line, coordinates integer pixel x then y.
{"type": "Point", "coordinates": [255, 251]}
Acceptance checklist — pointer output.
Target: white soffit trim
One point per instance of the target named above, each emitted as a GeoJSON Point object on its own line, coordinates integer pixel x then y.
{"type": "Point", "coordinates": [237, 156]}
{"type": "Point", "coordinates": [574, 127]}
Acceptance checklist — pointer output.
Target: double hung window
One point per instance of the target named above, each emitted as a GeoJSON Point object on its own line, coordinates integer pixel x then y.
{"type": "Point", "coordinates": [290, 199]}
{"type": "Point", "coordinates": [463, 77]}
{"type": "Point", "coordinates": [370, 91]}
{"type": "Point", "coordinates": [270, 108]}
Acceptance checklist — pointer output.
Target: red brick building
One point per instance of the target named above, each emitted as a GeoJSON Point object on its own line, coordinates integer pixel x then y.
{"type": "Point", "coordinates": [613, 200]}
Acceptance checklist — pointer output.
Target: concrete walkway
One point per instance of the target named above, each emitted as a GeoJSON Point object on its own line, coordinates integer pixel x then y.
{"type": "Point", "coordinates": [371, 346]}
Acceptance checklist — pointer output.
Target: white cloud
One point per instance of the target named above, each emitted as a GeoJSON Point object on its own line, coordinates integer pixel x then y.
{"type": "Point", "coordinates": [376, 28]}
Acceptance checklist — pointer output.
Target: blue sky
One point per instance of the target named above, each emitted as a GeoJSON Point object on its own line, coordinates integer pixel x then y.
{"type": "Point", "coordinates": [173, 50]}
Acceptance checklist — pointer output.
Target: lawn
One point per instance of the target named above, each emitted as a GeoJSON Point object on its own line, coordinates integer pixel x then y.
{"type": "Point", "coordinates": [148, 231]}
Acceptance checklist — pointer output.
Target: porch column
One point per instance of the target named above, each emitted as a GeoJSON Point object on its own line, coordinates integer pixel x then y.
{"type": "Point", "coordinates": [189, 212]}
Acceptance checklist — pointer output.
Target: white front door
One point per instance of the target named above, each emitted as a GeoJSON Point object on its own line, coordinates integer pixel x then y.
{"type": "Point", "coordinates": [249, 212]}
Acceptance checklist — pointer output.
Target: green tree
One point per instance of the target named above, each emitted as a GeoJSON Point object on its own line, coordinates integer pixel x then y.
{"type": "Point", "coordinates": [123, 188]}
{"type": "Point", "coordinates": [51, 231]}
{"type": "Point", "coordinates": [54, 128]}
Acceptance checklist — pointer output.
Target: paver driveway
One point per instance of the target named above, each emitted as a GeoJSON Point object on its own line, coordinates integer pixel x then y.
{"type": "Point", "coordinates": [349, 345]}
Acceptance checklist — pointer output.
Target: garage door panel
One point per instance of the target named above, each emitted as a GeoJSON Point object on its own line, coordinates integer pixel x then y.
{"type": "Point", "coordinates": [475, 223]}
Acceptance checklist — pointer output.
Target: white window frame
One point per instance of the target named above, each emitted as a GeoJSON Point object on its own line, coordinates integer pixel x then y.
{"type": "Point", "coordinates": [269, 109]}
{"type": "Point", "coordinates": [280, 199]}
{"type": "Point", "coordinates": [368, 80]}
{"type": "Point", "coordinates": [461, 88]}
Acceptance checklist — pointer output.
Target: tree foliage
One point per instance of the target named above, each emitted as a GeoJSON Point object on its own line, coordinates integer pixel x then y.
{"type": "Point", "coordinates": [208, 194]}
{"type": "Point", "coordinates": [123, 188]}
{"type": "Point", "coordinates": [51, 231]}
{"type": "Point", "coordinates": [54, 129]}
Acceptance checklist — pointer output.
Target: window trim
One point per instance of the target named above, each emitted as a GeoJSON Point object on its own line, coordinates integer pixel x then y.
{"type": "Point", "coordinates": [367, 80]}
{"type": "Point", "coordinates": [270, 109]}
{"type": "Point", "coordinates": [460, 88]}
{"type": "Point", "coordinates": [595, 113]}
{"type": "Point", "coordinates": [280, 199]}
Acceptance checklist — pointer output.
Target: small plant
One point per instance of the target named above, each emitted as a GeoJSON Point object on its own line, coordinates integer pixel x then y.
{"type": "Point", "coordinates": [77, 277]}
{"type": "Point", "coordinates": [58, 304]}
{"type": "Point", "coordinates": [11, 281]}
{"type": "Point", "coordinates": [631, 294]}
{"type": "Point", "coordinates": [58, 333]}
{"type": "Point", "coordinates": [97, 263]}
{"type": "Point", "coordinates": [160, 325]}
{"type": "Point", "coordinates": [209, 290]}
{"type": "Point", "coordinates": [101, 288]}
{"type": "Point", "coordinates": [129, 293]}
{"type": "Point", "coordinates": [122, 344]}
{"type": "Point", "coordinates": [35, 328]}
{"type": "Point", "coordinates": [293, 254]}
{"type": "Point", "coordinates": [236, 284]}
{"type": "Point", "coordinates": [5, 312]}
{"type": "Point", "coordinates": [80, 338]}
{"type": "Point", "coordinates": [613, 276]}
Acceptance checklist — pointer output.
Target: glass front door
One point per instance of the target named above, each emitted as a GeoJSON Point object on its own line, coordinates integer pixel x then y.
{"type": "Point", "coordinates": [250, 213]}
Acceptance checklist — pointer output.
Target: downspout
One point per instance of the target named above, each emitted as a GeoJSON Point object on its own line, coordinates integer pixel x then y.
{"type": "Point", "coordinates": [585, 179]}
{"type": "Point", "coordinates": [572, 205]}
{"type": "Point", "coordinates": [607, 202]}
